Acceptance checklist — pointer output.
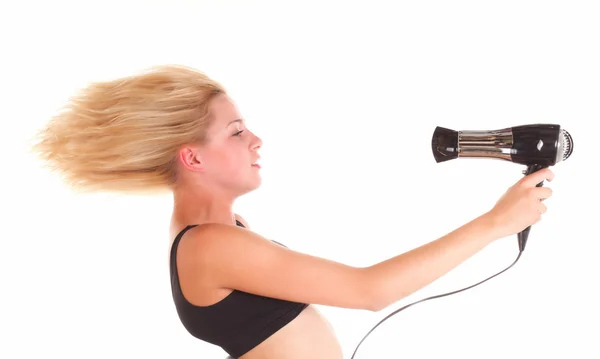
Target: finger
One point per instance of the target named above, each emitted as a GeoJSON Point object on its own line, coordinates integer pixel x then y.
{"type": "Point", "coordinates": [542, 193]}
{"type": "Point", "coordinates": [542, 208]}
{"type": "Point", "coordinates": [536, 177]}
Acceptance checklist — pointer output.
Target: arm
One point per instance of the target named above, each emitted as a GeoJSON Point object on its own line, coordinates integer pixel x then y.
{"type": "Point", "coordinates": [239, 259]}
{"type": "Point", "coordinates": [400, 276]}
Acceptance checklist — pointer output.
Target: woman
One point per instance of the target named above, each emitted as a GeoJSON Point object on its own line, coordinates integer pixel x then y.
{"type": "Point", "coordinates": [174, 128]}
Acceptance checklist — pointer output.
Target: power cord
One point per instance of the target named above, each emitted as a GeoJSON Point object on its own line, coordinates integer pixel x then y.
{"type": "Point", "coordinates": [433, 297]}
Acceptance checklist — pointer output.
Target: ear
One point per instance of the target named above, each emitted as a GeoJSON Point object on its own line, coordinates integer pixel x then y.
{"type": "Point", "coordinates": [190, 158]}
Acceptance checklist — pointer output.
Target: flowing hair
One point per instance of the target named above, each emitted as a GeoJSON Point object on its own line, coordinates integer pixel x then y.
{"type": "Point", "coordinates": [123, 135]}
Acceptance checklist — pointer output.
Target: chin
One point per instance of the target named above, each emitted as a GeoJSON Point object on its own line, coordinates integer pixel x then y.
{"type": "Point", "coordinates": [249, 186]}
{"type": "Point", "coordinates": [255, 185]}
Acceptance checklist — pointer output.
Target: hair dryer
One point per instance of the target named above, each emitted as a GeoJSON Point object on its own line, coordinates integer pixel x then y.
{"type": "Point", "coordinates": [535, 146]}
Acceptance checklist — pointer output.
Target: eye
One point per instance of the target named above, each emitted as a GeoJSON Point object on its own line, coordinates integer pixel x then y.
{"type": "Point", "coordinates": [238, 133]}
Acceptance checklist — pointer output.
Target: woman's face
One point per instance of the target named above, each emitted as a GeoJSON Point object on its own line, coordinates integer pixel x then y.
{"type": "Point", "coordinates": [229, 157]}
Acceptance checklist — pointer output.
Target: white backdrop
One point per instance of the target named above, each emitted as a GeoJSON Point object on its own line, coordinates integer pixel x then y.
{"type": "Point", "coordinates": [345, 97]}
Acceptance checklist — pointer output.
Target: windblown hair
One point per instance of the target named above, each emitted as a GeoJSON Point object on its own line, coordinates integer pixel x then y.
{"type": "Point", "coordinates": [123, 135]}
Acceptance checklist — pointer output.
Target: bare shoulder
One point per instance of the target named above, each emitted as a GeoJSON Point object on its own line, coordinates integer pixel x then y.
{"type": "Point", "coordinates": [225, 257]}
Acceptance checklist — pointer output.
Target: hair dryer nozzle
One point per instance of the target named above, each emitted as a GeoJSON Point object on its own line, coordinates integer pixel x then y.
{"type": "Point", "coordinates": [444, 144]}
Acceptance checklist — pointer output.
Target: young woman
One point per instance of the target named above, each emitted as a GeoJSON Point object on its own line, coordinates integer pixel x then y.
{"type": "Point", "coordinates": [174, 128]}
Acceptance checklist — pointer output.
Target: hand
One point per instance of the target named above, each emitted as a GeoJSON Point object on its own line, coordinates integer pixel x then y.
{"type": "Point", "coordinates": [521, 206]}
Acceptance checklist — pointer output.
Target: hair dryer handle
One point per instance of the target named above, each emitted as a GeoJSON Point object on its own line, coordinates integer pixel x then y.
{"type": "Point", "coordinates": [522, 236]}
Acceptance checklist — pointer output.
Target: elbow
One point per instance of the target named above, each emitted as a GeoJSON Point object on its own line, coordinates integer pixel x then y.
{"type": "Point", "coordinates": [375, 307]}
{"type": "Point", "coordinates": [381, 292]}
{"type": "Point", "coordinates": [377, 304]}
{"type": "Point", "coordinates": [373, 292]}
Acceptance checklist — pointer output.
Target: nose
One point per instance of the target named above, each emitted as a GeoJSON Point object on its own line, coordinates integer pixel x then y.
{"type": "Point", "coordinates": [256, 143]}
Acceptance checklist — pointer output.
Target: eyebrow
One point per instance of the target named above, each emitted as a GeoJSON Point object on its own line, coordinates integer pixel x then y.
{"type": "Point", "coordinates": [236, 120]}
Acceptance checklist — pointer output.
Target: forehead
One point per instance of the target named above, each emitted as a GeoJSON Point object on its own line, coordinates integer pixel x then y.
{"type": "Point", "coordinates": [223, 110]}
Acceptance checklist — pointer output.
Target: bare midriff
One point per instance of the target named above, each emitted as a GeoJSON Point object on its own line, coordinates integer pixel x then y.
{"type": "Point", "coordinates": [310, 335]}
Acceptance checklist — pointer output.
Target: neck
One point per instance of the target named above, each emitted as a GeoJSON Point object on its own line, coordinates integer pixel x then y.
{"type": "Point", "coordinates": [194, 205]}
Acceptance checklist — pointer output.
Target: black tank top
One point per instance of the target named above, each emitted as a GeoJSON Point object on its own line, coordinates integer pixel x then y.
{"type": "Point", "coordinates": [237, 323]}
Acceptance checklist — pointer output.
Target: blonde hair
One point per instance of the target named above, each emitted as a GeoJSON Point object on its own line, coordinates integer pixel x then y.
{"type": "Point", "coordinates": [123, 135]}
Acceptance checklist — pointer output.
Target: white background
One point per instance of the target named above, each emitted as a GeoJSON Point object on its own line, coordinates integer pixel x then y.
{"type": "Point", "coordinates": [345, 97]}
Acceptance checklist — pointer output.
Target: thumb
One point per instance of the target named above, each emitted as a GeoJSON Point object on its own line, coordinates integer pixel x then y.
{"type": "Point", "coordinates": [531, 180]}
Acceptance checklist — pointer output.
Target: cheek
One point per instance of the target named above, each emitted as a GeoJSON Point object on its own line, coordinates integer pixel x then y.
{"type": "Point", "coordinates": [227, 163]}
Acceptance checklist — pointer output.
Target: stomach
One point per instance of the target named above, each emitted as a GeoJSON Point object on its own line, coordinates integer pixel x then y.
{"type": "Point", "coordinates": [309, 335]}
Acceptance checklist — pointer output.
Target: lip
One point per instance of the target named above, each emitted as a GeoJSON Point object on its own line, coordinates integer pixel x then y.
{"type": "Point", "coordinates": [255, 163]}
